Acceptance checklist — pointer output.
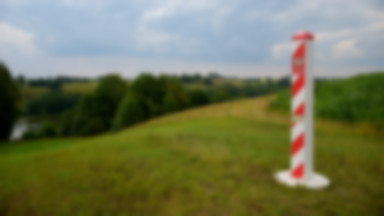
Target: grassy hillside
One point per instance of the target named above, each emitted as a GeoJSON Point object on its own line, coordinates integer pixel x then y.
{"type": "Point", "coordinates": [215, 160]}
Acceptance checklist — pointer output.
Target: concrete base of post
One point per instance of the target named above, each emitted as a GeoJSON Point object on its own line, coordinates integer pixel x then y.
{"type": "Point", "coordinates": [316, 181]}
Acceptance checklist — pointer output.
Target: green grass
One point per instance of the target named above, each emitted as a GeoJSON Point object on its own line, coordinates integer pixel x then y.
{"type": "Point", "coordinates": [215, 160]}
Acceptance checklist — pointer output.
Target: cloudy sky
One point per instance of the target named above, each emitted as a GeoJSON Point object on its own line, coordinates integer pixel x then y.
{"type": "Point", "coordinates": [233, 37]}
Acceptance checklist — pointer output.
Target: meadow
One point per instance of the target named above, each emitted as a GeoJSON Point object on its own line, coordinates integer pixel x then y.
{"type": "Point", "coordinates": [214, 160]}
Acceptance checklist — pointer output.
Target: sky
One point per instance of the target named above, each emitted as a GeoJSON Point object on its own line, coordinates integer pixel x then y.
{"type": "Point", "coordinates": [240, 38]}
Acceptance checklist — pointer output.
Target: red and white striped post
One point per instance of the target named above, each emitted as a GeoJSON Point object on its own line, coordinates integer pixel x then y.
{"type": "Point", "coordinates": [301, 172]}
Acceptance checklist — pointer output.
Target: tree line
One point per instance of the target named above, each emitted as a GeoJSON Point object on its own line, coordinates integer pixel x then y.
{"type": "Point", "coordinates": [117, 103]}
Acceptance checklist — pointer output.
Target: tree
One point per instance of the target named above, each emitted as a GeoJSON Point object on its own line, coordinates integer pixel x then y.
{"type": "Point", "coordinates": [52, 103]}
{"type": "Point", "coordinates": [128, 113]}
{"type": "Point", "coordinates": [198, 97]}
{"type": "Point", "coordinates": [9, 101]}
{"type": "Point", "coordinates": [107, 97]}
{"type": "Point", "coordinates": [112, 89]}
{"type": "Point", "coordinates": [170, 103]}
{"type": "Point", "coordinates": [95, 112]}
{"type": "Point", "coordinates": [150, 91]}
{"type": "Point", "coordinates": [148, 86]}
{"type": "Point", "coordinates": [173, 86]}
{"type": "Point", "coordinates": [66, 126]}
{"type": "Point", "coordinates": [87, 119]}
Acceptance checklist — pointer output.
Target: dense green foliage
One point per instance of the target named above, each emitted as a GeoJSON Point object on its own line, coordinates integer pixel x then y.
{"type": "Point", "coordinates": [215, 160]}
{"type": "Point", "coordinates": [148, 97]}
{"type": "Point", "coordinates": [9, 99]}
{"type": "Point", "coordinates": [52, 103]}
{"type": "Point", "coordinates": [87, 119]}
{"type": "Point", "coordinates": [197, 97]}
{"type": "Point", "coordinates": [218, 88]}
{"type": "Point", "coordinates": [48, 96]}
{"type": "Point", "coordinates": [94, 113]}
{"type": "Point", "coordinates": [356, 99]}
{"type": "Point", "coordinates": [91, 107]}
{"type": "Point", "coordinates": [54, 84]}
{"type": "Point", "coordinates": [128, 113]}
{"type": "Point", "coordinates": [108, 94]}
{"type": "Point", "coordinates": [47, 130]}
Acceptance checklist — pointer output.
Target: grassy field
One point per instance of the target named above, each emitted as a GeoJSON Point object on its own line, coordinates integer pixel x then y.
{"type": "Point", "coordinates": [215, 160]}
{"type": "Point", "coordinates": [79, 87]}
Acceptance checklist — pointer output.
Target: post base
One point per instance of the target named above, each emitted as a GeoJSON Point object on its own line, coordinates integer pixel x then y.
{"type": "Point", "coordinates": [316, 181]}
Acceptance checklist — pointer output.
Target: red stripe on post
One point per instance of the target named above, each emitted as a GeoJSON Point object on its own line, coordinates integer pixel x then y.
{"type": "Point", "coordinates": [298, 60]}
{"type": "Point", "coordinates": [297, 144]}
{"type": "Point", "coordinates": [298, 172]}
{"type": "Point", "coordinates": [300, 110]}
{"type": "Point", "coordinates": [298, 85]}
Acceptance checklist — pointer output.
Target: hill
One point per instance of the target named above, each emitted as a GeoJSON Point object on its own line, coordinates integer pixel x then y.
{"type": "Point", "coordinates": [214, 160]}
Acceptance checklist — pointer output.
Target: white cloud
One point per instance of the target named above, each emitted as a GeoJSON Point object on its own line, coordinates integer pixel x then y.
{"type": "Point", "coordinates": [173, 7]}
{"type": "Point", "coordinates": [330, 9]}
{"type": "Point", "coordinates": [95, 6]}
{"type": "Point", "coordinates": [218, 20]}
{"type": "Point", "coordinates": [153, 14]}
{"type": "Point", "coordinates": [149, 36]}
{"type": "Point", "coordinates": [14, 40]}
{"type": "Point", "coordinates": [346, 49]}
{"type": "Point", "coordinates": [377, 25]}
{"type": "Point", "coordinates": [218, 11]}
{"type": "Point", "coordinates": [282, 50]}
{"type": "Point", "coordinates": [155, 40]}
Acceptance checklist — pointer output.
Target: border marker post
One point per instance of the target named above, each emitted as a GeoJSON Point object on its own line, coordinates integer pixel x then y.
{"type": "Point", "coordinates": [301, 171]}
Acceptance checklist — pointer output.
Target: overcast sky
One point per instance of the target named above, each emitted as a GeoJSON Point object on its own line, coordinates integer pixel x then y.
{"type": "Point", "coordinates": [233, 37]}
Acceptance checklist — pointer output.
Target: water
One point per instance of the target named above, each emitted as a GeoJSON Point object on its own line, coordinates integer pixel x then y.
{"type": "Point", "coordinates": [21, 127]}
